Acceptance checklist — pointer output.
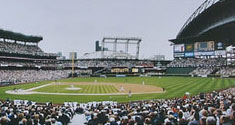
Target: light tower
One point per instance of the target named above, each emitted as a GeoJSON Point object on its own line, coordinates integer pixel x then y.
{"type": "Point", "coordinates": [115, 41]}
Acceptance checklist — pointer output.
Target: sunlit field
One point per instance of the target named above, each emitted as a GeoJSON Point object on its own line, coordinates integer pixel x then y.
{"type": "Point", "coordinates": [174, 86]}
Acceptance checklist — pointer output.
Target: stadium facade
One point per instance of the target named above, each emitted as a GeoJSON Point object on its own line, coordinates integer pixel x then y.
{"type": "Point", "coordinates": [201, 46]}
{"type": "Point", "coordinates": [208, 31]}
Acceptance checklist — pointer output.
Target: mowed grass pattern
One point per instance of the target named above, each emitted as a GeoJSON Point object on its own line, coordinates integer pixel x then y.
{"type": "Point", "coordinates": [175, 87]}
{"type": "Point", "coordinates": [91, 89]}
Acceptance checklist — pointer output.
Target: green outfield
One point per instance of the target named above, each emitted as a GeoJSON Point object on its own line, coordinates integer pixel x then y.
{"type": "Point", "coordinates": [174, 86]}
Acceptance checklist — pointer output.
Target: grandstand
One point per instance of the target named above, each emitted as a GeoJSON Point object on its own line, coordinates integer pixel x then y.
{"type": "Point", "coordinates": [20, 45]}
{"type": "Point", "coordinates": [22, 60]}
{"type": "Point", "coordinates": [203, 39]}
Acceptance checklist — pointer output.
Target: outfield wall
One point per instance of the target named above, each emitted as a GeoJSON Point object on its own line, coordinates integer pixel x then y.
{"type": "Point", "coordinates": [179, 70]}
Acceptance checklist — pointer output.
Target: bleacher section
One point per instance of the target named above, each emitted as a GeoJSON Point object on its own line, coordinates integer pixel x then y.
{"type": "Point", "coordinates": [197, 66]}
{"type": "Point", "coordinates": [226, 71]}
{"type": "Point", "coordinates": [203, 72]}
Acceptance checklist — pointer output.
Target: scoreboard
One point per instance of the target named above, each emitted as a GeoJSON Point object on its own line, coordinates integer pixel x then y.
{"type": "Point", "coordinates": [204, 48]}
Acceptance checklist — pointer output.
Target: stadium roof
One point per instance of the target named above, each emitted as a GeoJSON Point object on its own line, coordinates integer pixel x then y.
{"type": "Point", "coordinates": [213, 20]}
{"type": "Point", "coordinates": [19, 36]}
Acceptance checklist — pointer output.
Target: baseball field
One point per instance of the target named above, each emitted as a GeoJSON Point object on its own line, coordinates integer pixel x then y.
{"type": "Point", "coordinates": [113, 89]}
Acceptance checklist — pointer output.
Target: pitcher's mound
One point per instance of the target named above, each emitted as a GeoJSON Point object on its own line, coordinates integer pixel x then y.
{"type": "Point", "coordinates": [72, 88]}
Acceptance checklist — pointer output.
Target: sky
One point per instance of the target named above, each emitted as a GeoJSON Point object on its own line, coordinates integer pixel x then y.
{"type": "Point", "coordinates": [75, 25]}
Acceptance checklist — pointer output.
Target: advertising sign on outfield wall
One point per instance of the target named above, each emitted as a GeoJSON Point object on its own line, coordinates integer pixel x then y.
{"type": "Point", "coordinates": [120, 70]}
{"type": "Point", "coordinates": [135, 70]}
{"type": "Point", "coordinates": [210, 53]}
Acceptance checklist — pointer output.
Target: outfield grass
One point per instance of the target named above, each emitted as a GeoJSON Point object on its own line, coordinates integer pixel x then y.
{"type": "Point", "coordinates": [175, 87]}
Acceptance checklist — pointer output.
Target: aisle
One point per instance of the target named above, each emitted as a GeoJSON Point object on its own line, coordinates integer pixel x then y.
{"type": "Point", "coordinates": [78, 119]}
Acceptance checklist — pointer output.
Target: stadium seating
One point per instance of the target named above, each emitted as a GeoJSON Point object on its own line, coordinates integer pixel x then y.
{"type": "Point", "coordinates": [198, 66]}
{"type": "Point", "coordinates": [211, 108]}
{"type": "Point", "coordinates": [24, 76]}
{"type": "Point", "coordinates": [19, 48]}
{"type": "Point", "coordinates": [198, 62]}
{"type": "Point", "coordinates": [202, 71]}
{"type": "Point", "coordinates": [110, 63]}
{"type": "Point", "coordinates": [226, 71]}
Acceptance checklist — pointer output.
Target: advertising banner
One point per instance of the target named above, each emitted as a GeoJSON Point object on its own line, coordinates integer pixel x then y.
{"type": "Point", "coordinates": [204, 46]}
{"type": "Point", "coordinates": [210, 53]}
{"type": "Point", "coordinates": [189, 54]}
{"type": "Point", "coordinates": [135, 70]}
{"type": "Point", "coordinates": [219, 46]}
{"type": "Point", "coordinates": [210, 46]}
{"type": "Point", "coordinates": [120, 70]}
{"type": "Point", "coordinates": [178, 54]}
{"type": "Point", "coordinates": [220, 52]}
{"type": "Point", "coordinates": [179, 48]}
{"type": "Point", "coordinates": [189, 47]}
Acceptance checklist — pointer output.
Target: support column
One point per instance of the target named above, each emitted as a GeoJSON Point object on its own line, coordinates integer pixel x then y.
{"type": "Point", "coordinates": [127, 46]}
{"type": "Point", "coordinates": [115, 46]}
{"type": "Point", "coordinates": [102, 49]}
{"type": "Point", "coordinates": [138, 50]}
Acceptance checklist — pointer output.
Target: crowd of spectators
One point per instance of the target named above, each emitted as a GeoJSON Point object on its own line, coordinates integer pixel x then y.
{"type": "Point", "coordinates": [216, 108]}
{"type": "Point", "coordinates": [24, 76]}
{"type": "Point", "coordinates": [18, 48]}
{"type": "Point", "coordinates": [81, 63]}
{"type": "Point", "coordinates": [27, 64]}
{"type": "Point", "coordinates": [110, 63]}
{"type": "Point", "coordinates": [202, 71]}
{"type": "Point", "coordinates": [205, 67]}
{"type": "Point", "coordinates": [198, 62]}
{"type": "Point", "coordinates": [29, 113]}
{"type": "Point", "coordinates": [226, 71]}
